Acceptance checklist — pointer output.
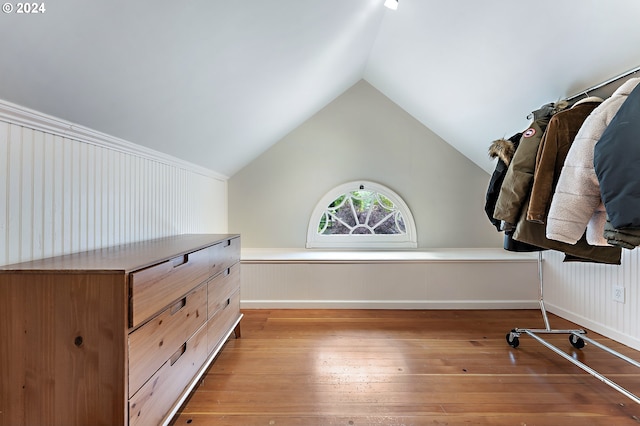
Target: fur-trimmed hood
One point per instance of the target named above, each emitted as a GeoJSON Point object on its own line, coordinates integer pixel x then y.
{"type": "Point", "coordinates": [502, 149]}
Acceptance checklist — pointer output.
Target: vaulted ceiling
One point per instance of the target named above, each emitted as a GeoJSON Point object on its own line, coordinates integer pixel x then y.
{"type": "Point", "coordinates": [218, 82]}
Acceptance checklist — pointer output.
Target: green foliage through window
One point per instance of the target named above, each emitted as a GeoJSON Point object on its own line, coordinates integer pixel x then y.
{"type": "Point", "coordinates": [361, 212]}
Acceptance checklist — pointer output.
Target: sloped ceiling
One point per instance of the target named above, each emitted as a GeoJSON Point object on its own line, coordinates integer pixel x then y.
{"type": "Point", "coordinates": [218, 82]}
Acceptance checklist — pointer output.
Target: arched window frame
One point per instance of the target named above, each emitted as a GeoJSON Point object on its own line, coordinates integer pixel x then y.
{"type": "Point", "coordinates": [369, 241]}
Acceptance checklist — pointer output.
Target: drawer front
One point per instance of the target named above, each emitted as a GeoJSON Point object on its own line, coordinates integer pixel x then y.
{"type": "Point", "coordinates": [154, 343]}
{"type": "Point", "coordinates": [225, 254]}
{"type": "Point", "coordinates": [156, 398]}
{"type": "Point", "coordinates": [154, 288]}
{"type": "Point", "coordinates": [221, 287]}
{"type": "Point", "coordinates": [222, 321]}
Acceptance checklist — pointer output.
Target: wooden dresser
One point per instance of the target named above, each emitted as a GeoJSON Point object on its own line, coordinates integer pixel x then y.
{"type": "Point", "coordinates": [115, 336]}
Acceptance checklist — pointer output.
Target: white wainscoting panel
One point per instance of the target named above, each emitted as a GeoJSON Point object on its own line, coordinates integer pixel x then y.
{"type": "Point", "coordinates": [583, 293]}
{"type": "Point", "coordinates": [65, 190]}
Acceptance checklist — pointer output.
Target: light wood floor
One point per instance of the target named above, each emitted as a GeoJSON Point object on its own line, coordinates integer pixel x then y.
{"type": "Point", "coordinates": [384, 367]}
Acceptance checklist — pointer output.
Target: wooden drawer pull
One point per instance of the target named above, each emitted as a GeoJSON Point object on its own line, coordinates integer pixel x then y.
{"type": "Point", "coordinates": [178, 305]}
{"type": "Point", "coordinates": [180, 260]}
{"type": "Point", "coordinates": [176, 356]}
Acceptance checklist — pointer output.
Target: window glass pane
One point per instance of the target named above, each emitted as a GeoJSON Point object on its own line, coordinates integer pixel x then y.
{"type": "Point", "coordinates": [361, 215]}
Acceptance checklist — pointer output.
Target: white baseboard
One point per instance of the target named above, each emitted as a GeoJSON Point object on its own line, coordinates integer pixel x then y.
{"type": "Point", "coordinates": [389, 304]}
{"type": "Point", "coordinates": [594, 326]}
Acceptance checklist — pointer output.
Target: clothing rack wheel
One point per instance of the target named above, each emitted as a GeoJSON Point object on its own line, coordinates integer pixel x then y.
{"type": "Point", "coordinates": [577, 338]}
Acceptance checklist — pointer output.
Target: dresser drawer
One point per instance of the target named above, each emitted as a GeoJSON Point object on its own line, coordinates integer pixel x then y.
{"type": "Point", "coordinates": [225, 254]}
{"type": "Point", "coordinates": [154, 288]}
{"type": "Point", "coordinates": [153, 343]}
{"type": "Point", "coordinates": [221, 287]}
{"type": "Point", "coordinates": [222, 320]}
{"type": "Point", "coordinates": [156, 398]}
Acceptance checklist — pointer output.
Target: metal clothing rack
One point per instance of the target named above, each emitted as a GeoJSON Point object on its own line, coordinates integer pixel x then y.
{"type": "Point", "coordinates": [589, 91]}
{"type": "Point", "coordinates": [585, 92]}
{"type": "Point", "coordinates": [577, 339]}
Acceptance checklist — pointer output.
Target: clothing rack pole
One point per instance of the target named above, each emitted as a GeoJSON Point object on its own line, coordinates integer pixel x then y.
{"type": "Point", "coordinates": [541, 293]}
{"type": "Point", "coordinates": [577, 339]}
{"type": "Point", "coordinates": [604, 83]}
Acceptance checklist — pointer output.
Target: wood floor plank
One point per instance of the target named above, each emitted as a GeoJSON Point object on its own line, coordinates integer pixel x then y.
{"type": "Point", "coordinates": [387, 367]}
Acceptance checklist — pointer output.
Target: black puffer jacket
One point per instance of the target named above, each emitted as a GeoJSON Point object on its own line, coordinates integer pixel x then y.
{"type": "Point", "coordinates": [616, 157]}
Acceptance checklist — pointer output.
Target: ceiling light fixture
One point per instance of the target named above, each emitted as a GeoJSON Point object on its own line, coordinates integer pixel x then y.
{"type": "Point", "coordinates": [391, 4]}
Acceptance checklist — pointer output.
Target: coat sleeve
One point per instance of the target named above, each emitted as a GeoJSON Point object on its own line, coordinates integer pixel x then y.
{"type": "Point", "coordinates": [493, 191]}
{"type": "Point", "coordinates": [544, 175]}
{"type": "Point", "coordinates": [576, 202]}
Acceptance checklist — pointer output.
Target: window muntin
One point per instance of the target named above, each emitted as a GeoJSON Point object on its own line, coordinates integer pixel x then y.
{"type": "Point", "coordinates": [361, 214]}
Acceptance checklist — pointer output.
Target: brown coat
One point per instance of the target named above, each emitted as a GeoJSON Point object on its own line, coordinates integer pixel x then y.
{"type": "Point", "coordinates": [553, 149]}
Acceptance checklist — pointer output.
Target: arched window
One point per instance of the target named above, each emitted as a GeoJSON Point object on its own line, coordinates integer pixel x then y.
{"type": "Point", "coordinates": [361, 214]}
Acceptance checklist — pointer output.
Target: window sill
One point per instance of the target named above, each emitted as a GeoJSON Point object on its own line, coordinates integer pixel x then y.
{"type": "Point", "coordinates": [292, 255]}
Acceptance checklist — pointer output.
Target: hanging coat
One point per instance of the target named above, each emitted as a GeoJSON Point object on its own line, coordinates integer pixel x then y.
{"type": "Point", "coordinates": [555, 143]}
{"type": "Point", "coordinates": [517, 182]}
{"type": "Point", "coordinates": [503, 150]}
{"type": "Point", "coordinates": [616, 158]}
{"type": "Point", "coordinates": [553, 149]}
{"type": "Point", "coordinates": [576, 205]}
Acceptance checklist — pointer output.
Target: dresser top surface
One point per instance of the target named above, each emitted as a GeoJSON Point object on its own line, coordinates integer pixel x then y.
{"type": "Point", "coordinates": [125, 257]}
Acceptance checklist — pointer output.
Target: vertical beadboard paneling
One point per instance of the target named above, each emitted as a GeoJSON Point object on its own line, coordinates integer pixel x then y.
{"type": "Point", "coordinates": [583, 292]}
{"type": "Point", "coordinates": [633, 294]}
{"type": "Point", "coordinates": [14, 195]}
{"type": "Point", "coordinates": [90, 203]}
{"type": "Point", "coordinates": [57, 196]}
{"type": "Point", "coordinates": [80, 163]}
{"type": "Point", "coordinates": [63, 194]}
{"type": "Point", "coordinates": [4, 188]}
{"type": "Point", "coordinates": [68, 232]}
{"type": "Point", "coordinates": [26, 189]}
{"type": "Point", "coordinates": [37, 195]}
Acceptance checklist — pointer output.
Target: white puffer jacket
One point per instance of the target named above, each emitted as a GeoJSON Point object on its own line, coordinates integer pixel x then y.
{"type": "Point", "coordinates": [576, 203]}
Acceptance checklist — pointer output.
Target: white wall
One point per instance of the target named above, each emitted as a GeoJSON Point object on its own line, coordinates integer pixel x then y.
{"type": "Point", "coordinates": [65, 188]}
{"type": "Point", "coordinates": [361, 135]}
